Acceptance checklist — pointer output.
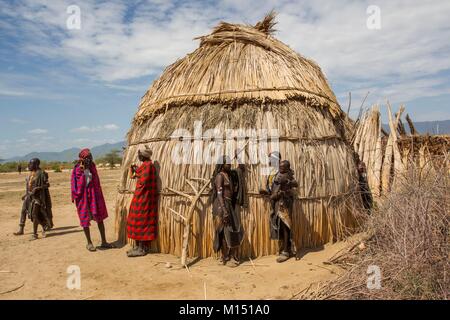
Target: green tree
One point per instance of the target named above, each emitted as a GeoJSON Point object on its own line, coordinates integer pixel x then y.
{"type": "Point", "coordinates": [112, 158]}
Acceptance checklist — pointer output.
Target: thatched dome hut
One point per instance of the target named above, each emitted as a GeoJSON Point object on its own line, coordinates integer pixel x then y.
{"type": "Point", "coordinates": [243, 77]}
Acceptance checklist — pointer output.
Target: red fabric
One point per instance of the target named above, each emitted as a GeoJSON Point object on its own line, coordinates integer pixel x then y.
{"type": "Point", "coordinates": [88, 198]}
{"type": "Point", "coordinates": [143, 215]}
{"type": "Point", "coordinates": [84, 153]}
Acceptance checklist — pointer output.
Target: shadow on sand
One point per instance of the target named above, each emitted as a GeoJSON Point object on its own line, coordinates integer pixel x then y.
{"type": "Point", "coordinates": [54, 234]}
{"type": "Point", "coordinates": [303, 252]}
{"type": "Point", "coordinates": [64, 228]}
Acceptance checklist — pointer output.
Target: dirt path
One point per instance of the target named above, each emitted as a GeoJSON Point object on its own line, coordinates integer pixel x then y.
{"type": "Point", "coordinates": [41, 266]}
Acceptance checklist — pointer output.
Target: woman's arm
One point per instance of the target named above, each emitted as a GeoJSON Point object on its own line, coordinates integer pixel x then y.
{"type": "Point", "coordinates": [78, 183]}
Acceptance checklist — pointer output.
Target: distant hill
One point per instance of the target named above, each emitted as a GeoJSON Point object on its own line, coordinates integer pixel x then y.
{"type": "Point", "coordinates": [70, 154]}
{"type": "Point", "coordinates": [430, 127]}
{"type": "Point", "coordinates": [434, 127]}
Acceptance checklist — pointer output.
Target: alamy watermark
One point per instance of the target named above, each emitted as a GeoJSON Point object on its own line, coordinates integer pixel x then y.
{"type": "Point", "coordinates": [73, 281]}
{"type": "Point", "coordinates": [374, 19]}
{"type": "Point", "coordinates": [243, 146]}
{"type": "Point", "coordinates": [374, 277]}
{"type": "Point", "coordinates": [73, 21]}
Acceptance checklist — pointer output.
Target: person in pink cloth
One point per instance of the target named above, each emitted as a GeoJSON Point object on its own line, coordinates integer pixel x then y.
{"type": "Point", "coordinates": [88, 197]}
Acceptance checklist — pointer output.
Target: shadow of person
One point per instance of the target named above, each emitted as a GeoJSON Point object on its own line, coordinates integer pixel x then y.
{"type": "Point", "coordinates": [119, 244]}
{"type": "Point", "coordinates": [55, 234]}
{"type": "Point", "coordinates": [64, 228]}
{"type": "Point", "coordinates": [304, 251]}
{"type": "Point", "coordinates": [193, 262]}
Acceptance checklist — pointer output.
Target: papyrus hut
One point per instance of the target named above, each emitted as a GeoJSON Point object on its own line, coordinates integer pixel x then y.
{"type": "Point", "coordinates": [241, 77]}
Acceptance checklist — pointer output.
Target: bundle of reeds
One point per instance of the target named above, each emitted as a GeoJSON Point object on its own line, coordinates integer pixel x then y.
{"type": "Point", "coordinates": [242, 78]}
{"type": "Point", "coordinates": [386, 156]}
{"type": "Point", "coordinates": [368, 144]}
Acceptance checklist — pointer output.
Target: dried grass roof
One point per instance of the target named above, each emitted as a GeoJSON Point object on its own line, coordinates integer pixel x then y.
{"type": "Point", "coordinates": [239, 63]}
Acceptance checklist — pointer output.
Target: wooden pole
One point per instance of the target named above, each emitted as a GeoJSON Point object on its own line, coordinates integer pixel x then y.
{"type": "Point", "coordinates": [187, 220]}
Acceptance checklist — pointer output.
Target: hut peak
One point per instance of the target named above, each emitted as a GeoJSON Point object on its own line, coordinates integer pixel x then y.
{"type": "Point", "coordinates": [238, 63]}
{"type": "Point", "coordinates": [268, 23]}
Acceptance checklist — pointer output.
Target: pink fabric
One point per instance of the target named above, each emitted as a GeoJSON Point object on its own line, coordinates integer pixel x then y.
{"type": "Point", "coordinates": [88, 199]}
{"type": "Point", "coordinates": [84, 153]}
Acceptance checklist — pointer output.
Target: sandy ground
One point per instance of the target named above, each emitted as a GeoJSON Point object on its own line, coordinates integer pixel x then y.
{"type": "Point", "coordinates": [39, 267]}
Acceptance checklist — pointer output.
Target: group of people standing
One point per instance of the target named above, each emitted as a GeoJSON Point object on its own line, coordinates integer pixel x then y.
{"type": "Point", "coordinates": [228, 197]}
{"type": "Point", "coordinates": [86, 193]}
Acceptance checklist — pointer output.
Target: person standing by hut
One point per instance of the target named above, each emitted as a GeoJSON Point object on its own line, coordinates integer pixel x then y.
{"type": "Point", "coordinates": [366, 194]}
{"type": "Point", "coordinates": [228, 230]}
{"type": "Point", "coordinates": [37, 202]}
{"type": "Point", "coordinates": [280, 189]}
{"type": "Point", "coordinates": [88, 197]}
{"type": "Point", "coordinates": [143, 214]}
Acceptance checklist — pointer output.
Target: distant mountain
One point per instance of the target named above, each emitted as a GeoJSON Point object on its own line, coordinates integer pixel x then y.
{"type": "Point", "coordinates": [433, 127]}
{"type": "Point", "coordinates": [430, 127]}
{"type": "Point", "coordinates": [70, 154]}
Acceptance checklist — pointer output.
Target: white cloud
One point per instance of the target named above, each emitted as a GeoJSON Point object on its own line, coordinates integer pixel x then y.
{"type": "Point", "coordinates": [111, 127]}
{"type": "Point", "coordinates": [120, 42]}
{"type": "Point", "coordinates": [38, 131]}
{"type": "Point", "coordinates": [11, 92]}
{"type": "Point", "coordinates": [18, 121]}
{"type": "Point", "coordinates": [106, 127]}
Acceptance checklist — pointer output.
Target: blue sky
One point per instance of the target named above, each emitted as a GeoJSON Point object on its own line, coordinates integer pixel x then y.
{"type": "Point", "coordinates": [61, 88]}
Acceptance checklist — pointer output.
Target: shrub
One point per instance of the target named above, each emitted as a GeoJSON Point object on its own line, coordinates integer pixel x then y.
{"type": "Point", "coordinates": [407, 237]}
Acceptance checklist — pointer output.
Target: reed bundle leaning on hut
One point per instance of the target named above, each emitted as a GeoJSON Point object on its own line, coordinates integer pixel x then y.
{"type": "Point", "coordinates": [387, 157]}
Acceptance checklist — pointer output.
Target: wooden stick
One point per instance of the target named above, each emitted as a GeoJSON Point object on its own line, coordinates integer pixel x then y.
{"type": "Point", "coordinates": [349, 103]}
{"type": "Point", "coordinates": [362, 105]}
{"type": "Point", "coordinates": [204, 288]}
{"type": "Point", "coordinates": [187, 225]}
{"type": "Point", "coordinates": [189, 271]}
{"type": "Point", "coordinates": [14, 289]}
{"type": "Point", "coordinates": [180, 193]}
{"type": "Point", "coordinates": [192, 186]}
{"type": "Point", "coordinates": [412, 128]}
{"type": "Point", "coordinates": [174, 212]}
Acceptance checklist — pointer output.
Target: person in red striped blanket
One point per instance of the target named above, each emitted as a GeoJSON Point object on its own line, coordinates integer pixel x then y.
{"type": "Point", "coordinates": [143, 214]}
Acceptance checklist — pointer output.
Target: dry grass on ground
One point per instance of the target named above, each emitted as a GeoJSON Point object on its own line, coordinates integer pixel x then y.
{"type": "Point", "coordinates": [407, 237]}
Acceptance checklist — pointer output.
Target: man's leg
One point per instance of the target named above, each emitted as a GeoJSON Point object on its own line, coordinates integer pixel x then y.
{"type": "Point", "coordinates": [34, 236]}
{"type": "Point", "coordinates": [234, 258]}
{"type": "Point", "coordinates": [225, 250]}
{"type": "Point", "coordinates": [22, 220]}
{"type": "Point", "coordinates": [285, 242]}
{"type": "Point", "coordinates": [146, 246]}
{"type": "Point", "coordinates": [87, 233]}
{"type": "Point", "coordinates": [104, 244]}
{"type": "Point", "coordinates": [133, 247]}
{"type": "Point", "coordinates": [101, 228]}
{"type": "Point", "coordinates": [286, 239]}
{"type": "Point", "coordinates": [138, 250]}
{"type": "Point", "coordinates": [49, 219]}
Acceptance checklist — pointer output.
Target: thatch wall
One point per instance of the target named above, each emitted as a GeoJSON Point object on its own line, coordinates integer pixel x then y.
{"type": "Point", "coordinates": [322, 161]}
{"type": "Point", "coordinates": [243, 78]}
